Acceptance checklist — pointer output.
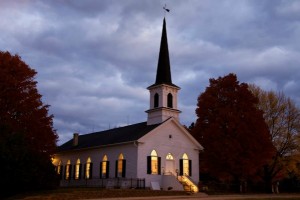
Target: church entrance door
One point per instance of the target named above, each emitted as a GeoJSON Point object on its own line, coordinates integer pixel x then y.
{"type": "Point", "coordinates": [170, 167]}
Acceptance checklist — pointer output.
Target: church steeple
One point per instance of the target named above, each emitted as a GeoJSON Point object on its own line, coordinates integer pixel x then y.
{"type": "Point", "coordinates": [163, 74]}
{"type": "Point", "coordinates": [163, 93]}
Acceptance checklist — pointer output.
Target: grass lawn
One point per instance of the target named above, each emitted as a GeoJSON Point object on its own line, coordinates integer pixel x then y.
{"type": "Point", "coordinates": [98, 193]}
{"type": "Point", "coordinates": [272, 198]}
{"type": "Point", "coordinates": [92, 193]}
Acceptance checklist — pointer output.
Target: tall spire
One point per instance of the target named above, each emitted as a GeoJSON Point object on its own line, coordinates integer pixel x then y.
{"type": "Point", "coordinates": [163, 93]}
{"type": "Point", "coordinates": [163, 74]}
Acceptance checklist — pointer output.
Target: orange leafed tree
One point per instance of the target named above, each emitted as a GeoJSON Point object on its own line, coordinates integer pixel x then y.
{"type": "Point", "coordinates": [27, 137]}
{"type": "Point", "coordinates": [232, 131]}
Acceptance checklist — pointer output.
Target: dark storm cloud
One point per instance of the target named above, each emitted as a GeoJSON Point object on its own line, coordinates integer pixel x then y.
{"type": "Point", "coordinates": [95, 58]}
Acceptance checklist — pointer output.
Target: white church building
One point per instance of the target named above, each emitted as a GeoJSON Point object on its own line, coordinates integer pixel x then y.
{"type": "Point", "coordinates": [158, 154]}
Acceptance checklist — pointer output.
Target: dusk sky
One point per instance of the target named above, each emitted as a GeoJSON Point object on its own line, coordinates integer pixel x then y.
{"type": "Point", "coordinates": [95, 59]}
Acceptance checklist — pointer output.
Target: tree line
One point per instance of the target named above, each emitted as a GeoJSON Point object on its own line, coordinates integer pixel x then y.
{"type": "Point", "coordinates": [249, 135]}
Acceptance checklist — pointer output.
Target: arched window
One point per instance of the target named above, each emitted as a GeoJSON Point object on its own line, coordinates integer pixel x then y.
{"type": "Point", "coordinates": [68, 170]}
{"type": "Point", "coordinates": [156, 100]}
{"type": "Point", "coordinates": [104, 168]}
{"type": "Point", "coordinates": [170, 100]}
{"type": "Point", "coordinates": [153, 163]}
{"type": "Point", "coordinates": [120, 166]}
{"type": "Point", "coordinates": [169, 157]}
{"type": "Point", "coordinates": [77, 170]}
{"type": "Point", "coordinates": [88, 169]}
{"type": "Point", "coordinates": [104, 158]}
{"type": "Point", "coordinates": [185, 166]}
{"type": "Point", "coordinates": [185, 156]}
{"type": "Point", "coordinates": [59, 169]}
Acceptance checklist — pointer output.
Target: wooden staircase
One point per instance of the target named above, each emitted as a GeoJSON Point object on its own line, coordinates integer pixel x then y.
{"type": "Point", "coordinates": [188, 184]}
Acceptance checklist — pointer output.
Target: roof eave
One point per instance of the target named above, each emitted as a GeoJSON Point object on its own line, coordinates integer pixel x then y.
{"type": "Point", "coordinates": [163, 84]}
{"type": "Point", "coordinates": [95, 147]}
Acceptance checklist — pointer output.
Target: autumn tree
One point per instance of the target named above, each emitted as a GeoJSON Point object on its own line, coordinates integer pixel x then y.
{"type": "Point", "coordinates": [232, 130]}
{"type": "Point", "coordinates": [283, 119]}
{"type": "Point", "coordinates": [27, 137]}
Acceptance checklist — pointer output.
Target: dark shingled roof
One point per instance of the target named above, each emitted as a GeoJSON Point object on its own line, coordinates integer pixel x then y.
{"type": "Point", "coordinates": [163, 73]}
{"type": "Point", "coordinates": [109, 137]}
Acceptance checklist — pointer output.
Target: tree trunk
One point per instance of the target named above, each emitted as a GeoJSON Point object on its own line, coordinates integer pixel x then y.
{"type": "Point", "coordinates": [268, 185]}
{"type": "Point", "coordinates": [268, 180]}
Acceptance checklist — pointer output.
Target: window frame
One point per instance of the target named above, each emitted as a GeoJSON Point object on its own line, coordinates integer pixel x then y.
{"type": "Point", "coordinates": [68, 170]}
{"type": "Point", "coordinates": [153, 163]}
{"type": "Point", "coordinates": [185, 166]}
{"type": "Point", "coordinates": [104, 167]}
{"type": "Point", "coordinates": [88, 169]}
{"type": "Point", "coordinates": [77, 170]}
{"type": "Point", "coordinates": [120, 168]}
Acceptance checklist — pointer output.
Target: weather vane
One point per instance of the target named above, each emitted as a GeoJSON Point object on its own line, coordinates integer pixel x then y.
{"type": "Point", "coordinates": [166, 9]}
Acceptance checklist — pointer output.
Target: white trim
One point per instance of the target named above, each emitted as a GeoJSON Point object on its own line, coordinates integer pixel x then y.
{"type": "Point", "coordinates": [163, 84]}
{"type": "Point", "coordinates": [170, 120]}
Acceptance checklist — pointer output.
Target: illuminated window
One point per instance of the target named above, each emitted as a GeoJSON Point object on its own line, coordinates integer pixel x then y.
{"type": "Point", "coordinates": [88, 169]}
{"type": "Point", "coordinates": [185, 166]}
{"type": "Point", "coordinates": [68, 170]}
{"type": "Point", "coordinates": [58, 168]}
{"type": "Point", "coordinates": [169, 156]}
{"type": "Point", "coordinates": [153, 163]}
{"type": "Point", "coordinates": [77, 169]}
{"type": "Point", "coordinates": [185, 156]}
{"type": "Point", "coordinates": [104, 167]}
{"type": "Point", "coordinates": [120, 166]}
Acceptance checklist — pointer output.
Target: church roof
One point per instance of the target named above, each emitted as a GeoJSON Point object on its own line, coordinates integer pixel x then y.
{"type": "Point", "coordinates": [163, 73]}
{"type": "Point", "coordinates": [109, 137]}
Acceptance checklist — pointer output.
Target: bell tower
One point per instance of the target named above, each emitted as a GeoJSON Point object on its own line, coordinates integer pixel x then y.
{"type": "Point", "coordinates": [163, 93]}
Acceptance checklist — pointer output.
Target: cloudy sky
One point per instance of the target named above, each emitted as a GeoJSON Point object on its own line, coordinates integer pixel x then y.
{"type": "Point", "coordinates": [95, 59]}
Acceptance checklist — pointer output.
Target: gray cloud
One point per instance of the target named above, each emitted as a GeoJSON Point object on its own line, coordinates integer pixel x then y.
{"type": "Point", "coordinates": [95, 58]}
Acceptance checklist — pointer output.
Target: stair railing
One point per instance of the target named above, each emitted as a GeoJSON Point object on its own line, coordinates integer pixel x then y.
{"type": "Point", "coordinates": [193, 186]}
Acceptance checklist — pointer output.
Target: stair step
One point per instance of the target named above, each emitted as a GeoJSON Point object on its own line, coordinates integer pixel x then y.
{"type": "Point", "coordinates": [189, 186]}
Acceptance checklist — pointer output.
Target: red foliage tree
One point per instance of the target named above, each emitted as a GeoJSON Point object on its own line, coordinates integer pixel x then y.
{"type": "Point", "coordinates": [27, 137]}
{"type": "Point", "coordinates": [232, 130]}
